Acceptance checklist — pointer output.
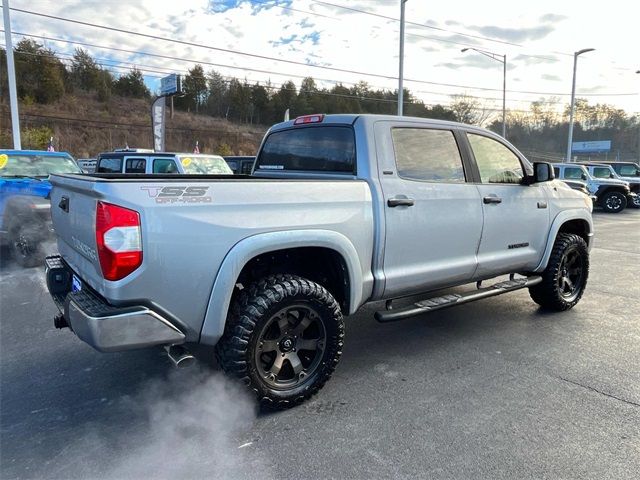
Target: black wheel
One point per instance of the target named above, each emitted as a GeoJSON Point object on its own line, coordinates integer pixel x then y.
{"type": "Point", "coordinates": [283, 338]}
{"type": "Point", "coordinates": [26, 251]}
{"type": "Point", "coordinates": [565, 278]}
{"type": "Point", "coordinates": [636, 201]}
{"type": "Point", "coordinates": [613, 202]}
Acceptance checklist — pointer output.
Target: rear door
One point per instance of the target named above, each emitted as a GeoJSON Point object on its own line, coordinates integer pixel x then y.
{"type": "Point", "coordinates": [433, 216]}
{"type": "Point", "coordinates": [516, 216]}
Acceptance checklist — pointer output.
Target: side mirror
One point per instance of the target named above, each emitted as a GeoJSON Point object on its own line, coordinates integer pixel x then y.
{"type": "Point", "coordinates": [584, 176]}
{"type": "Point", "coordinates": [542, 172]}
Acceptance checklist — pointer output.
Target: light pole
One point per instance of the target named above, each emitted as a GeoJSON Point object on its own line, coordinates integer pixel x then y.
{"type": "Point", "coordinates": [573, 97]}
{"type": "Point", "coordinates": [502, 59]}
{"type": "Point", "coordinates": [400, 75]}
{"type": "Point", "coordinates": [11, 74]}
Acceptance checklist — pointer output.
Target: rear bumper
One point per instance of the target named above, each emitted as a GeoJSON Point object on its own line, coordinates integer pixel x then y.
{"type": "Point", "coordinates": [103, 326]}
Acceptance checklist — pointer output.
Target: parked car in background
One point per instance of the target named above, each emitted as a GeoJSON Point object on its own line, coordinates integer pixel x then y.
{"type": "Point", "coordinates": [613, 195]}
{"type": "Point", "coordinates": [25, 210]}
{"type": "Point", "coordinates": [607, 170]}
{"type": "Point", "coordinates": [241, 165]}
{"type": "Point", "coordinates": [127, 161]}
{"type": "Point", "coordinates": [88, 165]}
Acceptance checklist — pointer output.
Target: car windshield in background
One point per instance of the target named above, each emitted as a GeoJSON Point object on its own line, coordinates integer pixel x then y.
{"type": "Point", "coordinates": [319, 149]}
{"type": "Point", "coordinates": [212, 165]}
{"type": "Point", "coordinates": [602, 172]}
{"type": "Point", "coordinates": [38, 165]}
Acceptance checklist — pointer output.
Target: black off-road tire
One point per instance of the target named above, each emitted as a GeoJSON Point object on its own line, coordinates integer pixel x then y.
{"type": "Point", "coordinates": [613, 202]}
{"type": "Point", "coordinates": [25, 250]}
{"type": "Point", "coordinates": [239, 350]}
{"type": "Point", "coordinates": [549, 293]}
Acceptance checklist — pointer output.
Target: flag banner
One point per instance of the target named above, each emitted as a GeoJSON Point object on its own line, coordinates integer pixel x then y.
{"type": "Point", "coordinates": [158, 123]}
{"type": "Point", "coordinates": [196, 148]}
{"type": "Point", "coordinates": [50, 146]}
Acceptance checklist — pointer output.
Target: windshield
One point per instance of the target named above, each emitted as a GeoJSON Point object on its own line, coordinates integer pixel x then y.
{"type": "Point", "coordinates": [36, 165]}
{"type": "Point", "coordinates": [602, 172]}
{"type": "Point", "coordinates": [213, 164]}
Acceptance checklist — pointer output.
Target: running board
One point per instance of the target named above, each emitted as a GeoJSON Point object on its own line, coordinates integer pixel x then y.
{"type": "Point", "coordinates": [445, 301]}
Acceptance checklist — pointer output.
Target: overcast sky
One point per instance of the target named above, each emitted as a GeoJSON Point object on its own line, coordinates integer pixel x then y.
{"type": "Point", "coordinates": [538, 37]}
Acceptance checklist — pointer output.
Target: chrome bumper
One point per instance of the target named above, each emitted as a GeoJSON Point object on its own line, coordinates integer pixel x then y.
{"type": "Point", "coordinates": [105, 327]}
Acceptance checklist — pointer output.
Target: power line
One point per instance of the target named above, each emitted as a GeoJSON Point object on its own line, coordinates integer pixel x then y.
{"type": "Point", "coordinates": [168, 57]}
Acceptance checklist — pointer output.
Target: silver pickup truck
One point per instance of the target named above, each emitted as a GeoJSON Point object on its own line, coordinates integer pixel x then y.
{"type": "Point", "coordinates": [340, 210]}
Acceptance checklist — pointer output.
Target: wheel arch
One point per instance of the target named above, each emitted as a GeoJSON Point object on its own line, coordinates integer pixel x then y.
{"type": "Point", "coordinates": [329, 254]}
{"type": "Point", "coordinates": [568, 221]}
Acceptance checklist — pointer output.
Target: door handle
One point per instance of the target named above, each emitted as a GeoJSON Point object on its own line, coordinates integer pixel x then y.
{"type": "Point", "coordinates": [492, 199]}
{"type": "Point", "coordinates": [399, 201]}
{"type": "Point", "coordinates": [64, 204]}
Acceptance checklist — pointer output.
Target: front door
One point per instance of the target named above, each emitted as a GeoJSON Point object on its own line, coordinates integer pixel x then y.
{"type": "Point", "coordinates": [516, 216]}
{"type": "Point", "coordinates": [433, 217]}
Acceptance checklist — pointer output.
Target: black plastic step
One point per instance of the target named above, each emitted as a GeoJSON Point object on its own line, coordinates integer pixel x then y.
{"type": "Point", "coordinates": [445, 301]}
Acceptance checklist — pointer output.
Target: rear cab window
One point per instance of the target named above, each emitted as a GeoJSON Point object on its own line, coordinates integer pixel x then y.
{"type": "Point", "coordinates": [323, 149]}
{"type": "Point", "coordinates": [135, 165]}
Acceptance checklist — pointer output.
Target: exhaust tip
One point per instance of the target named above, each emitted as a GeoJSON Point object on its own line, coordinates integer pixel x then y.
{"type": "Point", "coordinates": [180, 356]}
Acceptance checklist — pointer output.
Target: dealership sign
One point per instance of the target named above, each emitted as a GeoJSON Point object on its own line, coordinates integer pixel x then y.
{"type": "Point", "coordinates": [591, 147]}
{"type": "Point", "coordinates": [170, 85]}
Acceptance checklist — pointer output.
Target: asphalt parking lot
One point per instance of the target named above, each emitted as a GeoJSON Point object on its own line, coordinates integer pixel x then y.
{"type": "Point", "coordinates": [493, 389]}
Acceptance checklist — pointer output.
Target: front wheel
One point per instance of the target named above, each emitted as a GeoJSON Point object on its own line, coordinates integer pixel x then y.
{"type": "Point", "coordinates": [565, 278]}
{"type": "Point", "coordinates": [614, 202]}
{"type": "Point", "coordinates": [283, 338]}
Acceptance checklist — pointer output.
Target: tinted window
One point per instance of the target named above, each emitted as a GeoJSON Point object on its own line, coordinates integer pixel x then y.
{"type": "Point", "coordinates": [628, 171]}
{"type": "Point", "coordinates": [110, 165]}
{"type": "Point", "coordinates": [135, 165]}
{"type": "Point", "coordinates": [322, 149]}
{"type": "Point", "coordinates": [423, 154]}
{"type": "Point", "coordinates": [497, 164]}
{"type": "Point", "coordinates": [164, 165]}
{"type": "Point", "coordinates": [247, 165]}
{"type": "Point", "coordinates": [602, 172]}
{"type": "Point", "coordinates": [573, 173]}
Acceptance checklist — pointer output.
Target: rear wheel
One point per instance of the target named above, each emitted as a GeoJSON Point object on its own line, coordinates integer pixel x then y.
{"type": "Point", "coordinates": [565, 278]}
{"type": "Point", "coordinates": [613, 202]}
{"type": "Point", "coordinates": [283, 338]}
{"type": "Point", "coordinates": [636, 200]}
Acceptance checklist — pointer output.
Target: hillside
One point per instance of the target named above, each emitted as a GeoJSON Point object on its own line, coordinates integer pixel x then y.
{"type": "Point", "coordinates": [83, 126]}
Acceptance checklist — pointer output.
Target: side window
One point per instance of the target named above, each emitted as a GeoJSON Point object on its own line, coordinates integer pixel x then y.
{"type": "Point", "coordinates": [497, 164]}
{"type": "Point", "coordinates": [135, 165]}
{"type": "Point", "coordinates": [573, 173]}
{"type": "Point", "coordinates": [164, 165]}
{"type": "Point", "coordinates": [427, 155]}
{"type": "Point", "coordinates": [109, 165]}
{"type": "Point", "coordinates": [246, 167]}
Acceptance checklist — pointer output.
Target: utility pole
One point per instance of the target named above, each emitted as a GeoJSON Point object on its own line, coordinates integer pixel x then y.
{"type": "Point", "coordinates": [401, 73]}
{"type": "Point", "coordinates": [11, 75]}
{"type": "Point", "coordinates": [573, 99]}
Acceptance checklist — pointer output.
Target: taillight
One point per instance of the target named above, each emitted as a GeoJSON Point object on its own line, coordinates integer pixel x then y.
{"type": "Point", "coordinates": [118, 239]}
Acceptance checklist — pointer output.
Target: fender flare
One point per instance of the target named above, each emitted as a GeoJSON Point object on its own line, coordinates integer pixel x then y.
{"type": "Point", "coordinates": [562, 218]}
{"type": "Point", "coordinates": [242, 252]}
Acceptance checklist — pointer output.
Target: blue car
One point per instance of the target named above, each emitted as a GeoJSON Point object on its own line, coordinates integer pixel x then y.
{"type": "Point", "coordinates": [25, 210]}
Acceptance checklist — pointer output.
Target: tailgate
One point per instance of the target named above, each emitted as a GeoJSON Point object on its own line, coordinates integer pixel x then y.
{"type": "Point", "coordinates": [73, 213]}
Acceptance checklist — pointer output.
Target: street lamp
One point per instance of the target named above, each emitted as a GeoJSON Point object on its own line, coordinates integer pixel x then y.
{"type": "Point", "coordinates": [502, 59]}
{"type": "Point", "coordinates": [573, 97]}
{"type": "Point", "coordinates": [401, 74]}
